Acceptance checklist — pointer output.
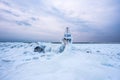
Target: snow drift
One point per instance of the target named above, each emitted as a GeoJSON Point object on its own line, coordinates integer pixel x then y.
{"type": "Point", "coordinates": [18, 61]}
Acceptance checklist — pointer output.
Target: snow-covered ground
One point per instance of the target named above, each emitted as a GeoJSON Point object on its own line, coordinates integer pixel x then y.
{"type": "Point", "coordinates": [18, 61]}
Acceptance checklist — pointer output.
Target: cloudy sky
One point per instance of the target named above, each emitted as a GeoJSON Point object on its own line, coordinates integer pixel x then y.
{"type": "Point", "coordinates": [46, 20]}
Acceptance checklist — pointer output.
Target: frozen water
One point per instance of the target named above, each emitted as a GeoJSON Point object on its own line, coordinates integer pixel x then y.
{"type": "Point", "coordinates": [18, 61]}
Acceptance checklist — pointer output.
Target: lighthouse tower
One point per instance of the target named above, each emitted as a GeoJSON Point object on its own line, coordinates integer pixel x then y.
{"type": "Point", "coordinates": [67, 39]}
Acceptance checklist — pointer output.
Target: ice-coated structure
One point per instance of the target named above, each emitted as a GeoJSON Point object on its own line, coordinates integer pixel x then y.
{"type": "Point", "coordinates": [66, 44]}
{"type": "Point", "coordinates": [67, 39]}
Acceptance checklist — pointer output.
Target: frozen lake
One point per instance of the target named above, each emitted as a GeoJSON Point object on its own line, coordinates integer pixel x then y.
{"type": "Point", "coordinates": [18, 61]}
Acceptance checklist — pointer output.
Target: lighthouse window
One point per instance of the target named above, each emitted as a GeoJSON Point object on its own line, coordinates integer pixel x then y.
{"type": "Point", "coordinates": [67, 35]}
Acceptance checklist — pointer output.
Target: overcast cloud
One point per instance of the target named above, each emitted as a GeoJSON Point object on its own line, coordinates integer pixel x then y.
{"type": "Point", "coordinates": [45, 20]}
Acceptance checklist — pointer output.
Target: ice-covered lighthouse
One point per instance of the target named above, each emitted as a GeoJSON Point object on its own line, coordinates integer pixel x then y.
{"type": "Point", "coordinates": [67, 39]}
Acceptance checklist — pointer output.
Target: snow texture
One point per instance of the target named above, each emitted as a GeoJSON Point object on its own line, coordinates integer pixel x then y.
{"type": "Point", "coordinates": [18, 61]}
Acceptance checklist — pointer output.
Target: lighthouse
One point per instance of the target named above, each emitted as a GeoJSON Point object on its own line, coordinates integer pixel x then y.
{"type": "Point", "coordinates": [67, 39]}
